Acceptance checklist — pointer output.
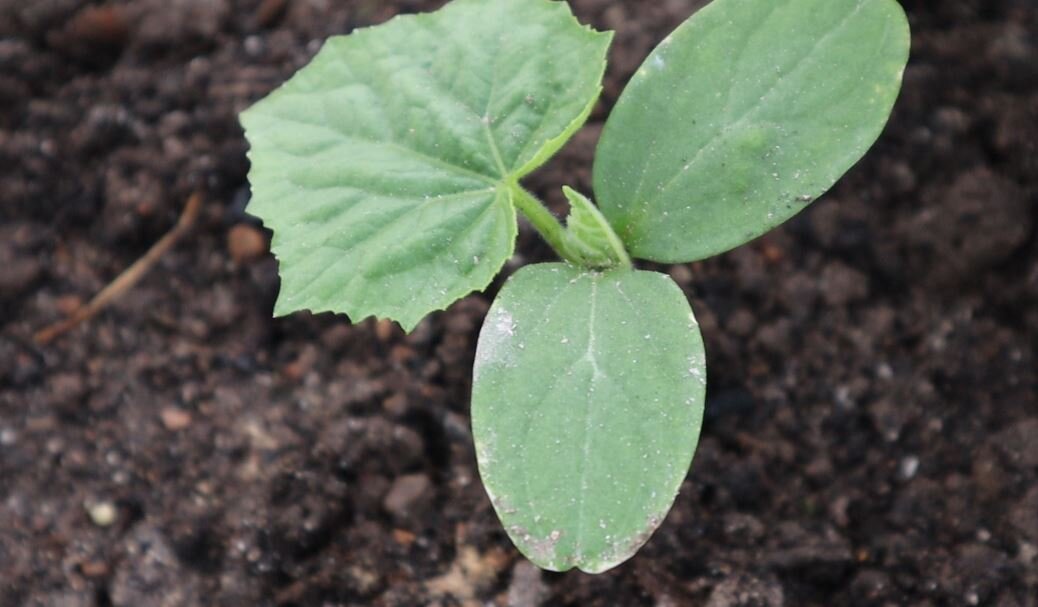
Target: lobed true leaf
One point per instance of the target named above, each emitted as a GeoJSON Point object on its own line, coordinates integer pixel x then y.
{"type": "Point", "coordinates": [384, 166]}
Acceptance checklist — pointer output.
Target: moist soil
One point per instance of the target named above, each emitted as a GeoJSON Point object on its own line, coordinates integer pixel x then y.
{"type": "Point", "coordinates": [872, 416]}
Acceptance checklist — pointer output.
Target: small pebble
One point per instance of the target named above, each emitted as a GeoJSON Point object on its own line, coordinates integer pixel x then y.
{"type": "Point", "coordinates": [396, 404]}
{"type": "Point", "coordinates": [174, 418]}
{"type": "Point", "coordinates": [404, 493]}
{"type": "Point", "coordinates": [527, 588]}
{"type": "Point", "coordinates": [384, 330]}
{"type": "Point", "coordinates": [909, 467]}
{"type": "Point", "coordinates": [403, 537]}
{"type": "Point", "coordinates": [1028, 553]}
{"type": "Point", "coordinates": [246, 243]}
{"type": "Point", "coordinates": [253, 46]}
{"type": "Point", "coordinates": [94, 569]}
{"type": "Point", "coordinates": [103, 514]}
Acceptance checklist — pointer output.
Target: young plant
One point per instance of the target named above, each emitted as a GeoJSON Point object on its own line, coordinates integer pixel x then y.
{"type": "Point", "coordinates": [389, 169]}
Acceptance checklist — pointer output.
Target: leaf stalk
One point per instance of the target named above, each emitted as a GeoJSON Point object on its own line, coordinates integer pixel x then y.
{"type": "Point", "coordinates": [542, 220]}
{"type": "Point", "coordinates": [555, 233]}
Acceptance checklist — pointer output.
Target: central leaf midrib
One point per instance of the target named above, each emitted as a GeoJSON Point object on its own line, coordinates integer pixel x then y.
{"type": "Point", "coordinates": [486, 120]}
{"type": "Point", "coordinates": [589, 356]}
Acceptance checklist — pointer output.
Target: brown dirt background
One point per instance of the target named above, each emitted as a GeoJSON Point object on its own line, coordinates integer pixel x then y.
{"type": "Point", "coordinates": [872, 432]}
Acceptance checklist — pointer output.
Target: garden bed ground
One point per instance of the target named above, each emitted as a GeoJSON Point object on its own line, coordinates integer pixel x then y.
{"type": "Point", "coordinates": [872, 431]}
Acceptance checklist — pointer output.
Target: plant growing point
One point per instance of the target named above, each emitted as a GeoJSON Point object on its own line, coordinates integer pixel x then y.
{"type": "Point", "coordinates": [390, 171]}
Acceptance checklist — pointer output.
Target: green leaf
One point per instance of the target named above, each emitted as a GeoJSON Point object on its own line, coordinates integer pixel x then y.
{"type": "Point", "coordinates": [586, 407]}
{"type": "Point", "coordinates": [589, 237]}
{"type": "Point", "coordinates": [383, 166]}
{"type": "Point", "coordinates": [745, 114]}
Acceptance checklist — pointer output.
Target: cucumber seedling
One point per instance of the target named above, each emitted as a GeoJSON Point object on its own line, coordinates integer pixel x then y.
{"type": "Point", "coordinates": [390, 170]}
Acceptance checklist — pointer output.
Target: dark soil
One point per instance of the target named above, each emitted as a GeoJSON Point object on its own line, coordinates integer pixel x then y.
{"type": "Point", "coordinates": [872, 433]}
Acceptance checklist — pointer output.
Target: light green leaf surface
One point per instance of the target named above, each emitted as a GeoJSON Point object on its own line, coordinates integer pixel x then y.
{"type": "Point", "coordinates": [586, 408]}
{"type": "Point", "coordinates": [745, 114]}
{"type": "Point", "coordinates": [589, 237]}
{"type": "Point", "coordinates": [383, 166]}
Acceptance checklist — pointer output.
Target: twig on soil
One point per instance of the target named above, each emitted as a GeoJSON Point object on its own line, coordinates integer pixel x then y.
{"type": "Point", "coordinates": [125, 281]}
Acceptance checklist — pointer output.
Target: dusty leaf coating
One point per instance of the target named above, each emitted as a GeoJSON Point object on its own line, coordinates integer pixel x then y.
{"type": "Point", "coordinates": [586, 408]}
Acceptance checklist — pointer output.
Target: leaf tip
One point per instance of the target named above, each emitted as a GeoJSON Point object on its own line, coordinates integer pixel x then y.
{"type": "Point", "coordinates": [282, 308]}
